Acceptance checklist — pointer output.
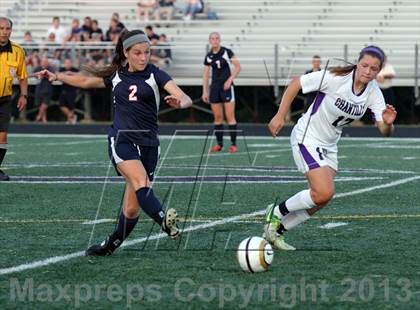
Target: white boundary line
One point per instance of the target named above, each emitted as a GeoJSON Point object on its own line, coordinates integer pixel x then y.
{"type": "Point", "coordinates": [62, 258]}
{"type": "Point", "coordinates": [186, 137]}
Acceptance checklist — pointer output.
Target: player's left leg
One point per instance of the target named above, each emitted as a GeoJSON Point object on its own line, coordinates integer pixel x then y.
{"type": "Point", "coordinates": [231, 120]}
{"type": "Point", "coordinates": [298, 208]}
{"type": "Point", "coordinates": [127, 221]}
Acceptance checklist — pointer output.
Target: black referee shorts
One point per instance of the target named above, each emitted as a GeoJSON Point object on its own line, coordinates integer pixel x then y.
{"type": "Point", "coordinates": [5, 112]}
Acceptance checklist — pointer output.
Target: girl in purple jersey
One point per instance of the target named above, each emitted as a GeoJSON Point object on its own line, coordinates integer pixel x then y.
{"type": "Point", "coordinates": [343, 95]}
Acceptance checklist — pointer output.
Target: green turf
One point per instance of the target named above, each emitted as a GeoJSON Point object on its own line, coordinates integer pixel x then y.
{"type": "Point", "coordinates": [372, 262]}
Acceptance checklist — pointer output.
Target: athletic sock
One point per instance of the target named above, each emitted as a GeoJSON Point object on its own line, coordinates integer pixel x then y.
{"type": "Point", "coordinates": [150, 204]}
{"type": "Point", "coordinates": [218, 131]}
{"type": "Point", "coordinates": [3, 150]}
{"type": "Point", "coordinates": [233, 133]}
{"type": "Point", "coordinates": [300, 201]}
{"type": "Point", "coordinates": [293, 219]}
{"type": "Point", "coordinates": [124, 228]}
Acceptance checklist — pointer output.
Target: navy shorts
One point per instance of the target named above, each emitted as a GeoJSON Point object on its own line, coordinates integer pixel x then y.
{"type": "Point", "coordinates": [219, 95]}
{"type": "Point", "coordinates": [125, 150]}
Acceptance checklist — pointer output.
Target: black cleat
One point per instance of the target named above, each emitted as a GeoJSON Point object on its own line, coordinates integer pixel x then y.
{"type": "Point", "coordinates": [4, 176]}
{"type": "Point", "coordinates": [106, 248]}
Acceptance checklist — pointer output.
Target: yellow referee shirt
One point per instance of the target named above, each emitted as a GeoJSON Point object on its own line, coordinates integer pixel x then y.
{"type": "Point", "coordinates": [11, 64]}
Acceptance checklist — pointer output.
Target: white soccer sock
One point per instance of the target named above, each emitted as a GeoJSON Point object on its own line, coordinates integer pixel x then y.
{"type": "Point", "coordinates": [294, 218]}
{"type": "Point", "coordinates": [300, 201]}
{"type": "Point", "coordinates": [277, 212]}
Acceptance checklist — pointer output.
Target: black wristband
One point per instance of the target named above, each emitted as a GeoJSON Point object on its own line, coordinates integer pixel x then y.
{"type": "Point", "coordinates": [25, 96]}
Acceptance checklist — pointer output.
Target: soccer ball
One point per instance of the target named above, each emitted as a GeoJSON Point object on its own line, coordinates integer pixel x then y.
{"type": "Point", "coordinates": [255, 254]}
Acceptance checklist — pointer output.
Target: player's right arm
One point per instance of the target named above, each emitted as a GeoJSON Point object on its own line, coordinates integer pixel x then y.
{"type": "Point", "coordinates": [277, 122]}
{"type": "Point", "coordinates": [205, 96]}
{"type": "Point", "coordinates": [81, 81]}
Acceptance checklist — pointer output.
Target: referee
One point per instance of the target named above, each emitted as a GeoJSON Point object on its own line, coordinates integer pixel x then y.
{"type": "Point", "coordinates": [12, 63]}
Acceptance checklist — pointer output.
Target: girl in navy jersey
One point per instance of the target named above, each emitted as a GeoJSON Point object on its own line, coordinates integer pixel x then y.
{"type": "Point", "coordinates": [133, 136]}
{"type": "Point", "coordinates": [344, 95]}
{"type": "Point", "coordinates": [222, 95]}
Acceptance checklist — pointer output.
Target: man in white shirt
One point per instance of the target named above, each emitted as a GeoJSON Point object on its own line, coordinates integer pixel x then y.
{"type": "Point", "coordinates": [384, 79]}
{"type": "Point", "coordinates": [59, 32]}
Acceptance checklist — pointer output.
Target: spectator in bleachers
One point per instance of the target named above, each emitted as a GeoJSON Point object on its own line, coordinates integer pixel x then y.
{"type": "Point", "coordinates": [59, 32]}
{"type": "Point", "coordinates": [145, 9]}
{"type": "Point", "coordinates": [120, 25]}
{"type": "Point", "coordinates": [27, 38]}
{"type": "Point", "coordinates": [51, 38]}
{"type": "Point", "coordinates": [112, 34]}
{"type": "Point", "coordinates": [97, 33]}
{"type": "Point", "coordinates": [165, 10]}
{"type": "Point", "coordinates": [162, 56]}
{"type": "Point", "coordinates": [316, 66]}
{"type": "Point", "coordinates": [193, 7]}
{"type": "Point", "coordinates": [43, 92]}
{"type": "Point", "coordinates": [153, 37]}
{"type": "Point", "coordinates": [68, 93]}
{"type": "Point", "coordinates": [384, 79]}
{"type": "Point", "coordinates": [75, 31]}
{"type": "Point", "coordinates": [86, 29]}
{"type": "Point", "coordinates": [32, 61]}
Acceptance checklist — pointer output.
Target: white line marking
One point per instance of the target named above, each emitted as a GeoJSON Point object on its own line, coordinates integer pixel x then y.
{"type": "Point", "coordinates": [62, 258]}
{"type": "Point", "coordinates": [333, 225]}
{"type": "Point", "coordinates": [98, 221]}
{"type": "Point", "coordinates": [195, 137]}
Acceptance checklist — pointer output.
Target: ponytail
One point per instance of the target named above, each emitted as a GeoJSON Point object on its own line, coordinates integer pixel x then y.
{"type": "Point", "coordinates": [341, 71]}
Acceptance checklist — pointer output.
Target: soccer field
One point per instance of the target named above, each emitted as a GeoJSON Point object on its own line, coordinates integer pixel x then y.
{"type": "Point", "coordinates": [361, 251]}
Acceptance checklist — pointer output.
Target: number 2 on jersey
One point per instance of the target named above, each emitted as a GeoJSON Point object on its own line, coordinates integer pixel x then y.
{"type": "Point", "coordinates": [339, 119]}
{"type": "Point", "coordinates": [132, 96]}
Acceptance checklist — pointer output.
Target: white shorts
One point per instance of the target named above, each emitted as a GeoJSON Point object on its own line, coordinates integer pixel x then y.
{"type": "Point", "coordinates": [308, 156]}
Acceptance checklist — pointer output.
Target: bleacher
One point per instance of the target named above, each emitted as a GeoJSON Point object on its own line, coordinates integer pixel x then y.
{"type": "Point", "coordinates": [253, 29]}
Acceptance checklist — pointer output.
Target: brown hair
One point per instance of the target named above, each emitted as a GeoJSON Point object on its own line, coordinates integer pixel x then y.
{"type": "Point", "coordinates": [371, 50]}
{"type": "Point", "coordinates": [119, 57]}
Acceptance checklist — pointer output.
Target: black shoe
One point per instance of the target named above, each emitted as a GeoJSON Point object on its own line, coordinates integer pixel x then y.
{"type": "Point", "coordinates": [106, 248]}
{"type": "Point", "coordinates": [4, 176]}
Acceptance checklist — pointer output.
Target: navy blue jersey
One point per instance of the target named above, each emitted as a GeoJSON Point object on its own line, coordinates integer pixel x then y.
{"type": "Point", "coordinates": [136, 104]}
{"type": "Point", "coordinates": [220, 64]}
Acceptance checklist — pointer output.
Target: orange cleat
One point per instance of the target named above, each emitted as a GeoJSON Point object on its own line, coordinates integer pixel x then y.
{"type": "Point", "coordinates": [233, 149]}
{"type": "Point", "coordinates": [216, 148]}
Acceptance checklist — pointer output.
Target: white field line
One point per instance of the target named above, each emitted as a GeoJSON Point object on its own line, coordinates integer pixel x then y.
{"type": "Point", "coordinates": [194, 137]}
{"type": "Point", "coordinates": [333, 225]}
{"type": "Point", "coordinates": [62, 258]}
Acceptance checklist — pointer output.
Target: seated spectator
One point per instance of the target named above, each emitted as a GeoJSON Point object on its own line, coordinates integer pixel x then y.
{"type": "Point", "coordinates": [27, 38]}
{"type": "Point", "coordinates": [193, 7]}
{"type": "Point", "coordinates": [43, 92]}
{"type": "Point", "coordinates": [145, 8]}
{"type": "Point", "coordinates": [59, 32]}
{"type": "Point", "coordinates": [153, 37]}
{"type": "Point", "coordinates": [161, 56]}
{"type": "Point", "coordinates": [112, 34]}
{"type": "Point", "coordinates": [165, 10]}
{"type": "Point", "coordinates": [86, 29]}
{"type": "Point", "coordinates": [68, 93]}
{"type": "Point", "coordinates": [75, 31]}
{"type": "Point", "coordinates": [97, 34]}
{"type": "Point", "coordinates": [120, 25]}
{"type": "Point", "coordinates": [32, 61]}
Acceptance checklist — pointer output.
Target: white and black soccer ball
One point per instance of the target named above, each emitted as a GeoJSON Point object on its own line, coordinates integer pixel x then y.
{"type": "Point", "coordinates": [255, 254]}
